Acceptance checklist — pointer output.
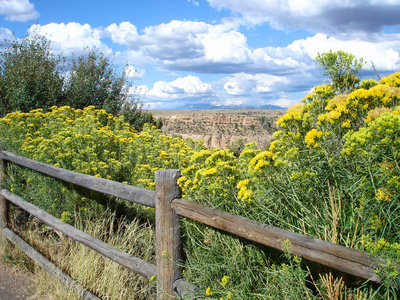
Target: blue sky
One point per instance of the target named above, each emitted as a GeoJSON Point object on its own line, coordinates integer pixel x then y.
{"type": "Point", "coordinates": [219, 52]}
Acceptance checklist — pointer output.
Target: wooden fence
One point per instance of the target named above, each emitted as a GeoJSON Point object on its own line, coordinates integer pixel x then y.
{"type": "Point", "coordinates": [166, 199]}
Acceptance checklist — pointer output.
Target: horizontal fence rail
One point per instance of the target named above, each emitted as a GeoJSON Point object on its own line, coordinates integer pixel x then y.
{"type": "Point", "coordinates": [102, 185]}
{"type": "Point", "coordinates": [132, 263]}
{"type": "Point", "coordinates": [345, 259]}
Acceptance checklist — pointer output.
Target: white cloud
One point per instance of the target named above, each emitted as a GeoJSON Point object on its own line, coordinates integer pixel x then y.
{"type": "Point", "coordinates": [124, 33]}
{"type": "Point", "coordinates": [184, 88]}
{"type": "Point", "coordinates": [18, 10]}
{"type": "Point", "coordinates": [194, 2]}
{"type": "Point", "coordinates": [216, 49]}
{"type": "Point", "coordinates": [199, 47]}
{"type": "Point", "coordinates": [332, 16]}
{"type": "Point", "coordinates": [258, 75]}
{"type": "Point", "coordinates": [225, 47]}
{"type": "Point", "coordinates": [72, 37]}
{"type": "Point", "coordinates": [246, 84]}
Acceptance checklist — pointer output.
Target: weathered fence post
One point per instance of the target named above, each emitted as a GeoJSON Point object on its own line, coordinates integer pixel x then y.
{"type": "Point", "coordinates": [4, 204]}
{"type": "Point", "coordinates": [168, 240]}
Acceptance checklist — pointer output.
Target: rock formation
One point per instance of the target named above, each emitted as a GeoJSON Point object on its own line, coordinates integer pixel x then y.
{"type": "Point", "coordinates": [219, 128]}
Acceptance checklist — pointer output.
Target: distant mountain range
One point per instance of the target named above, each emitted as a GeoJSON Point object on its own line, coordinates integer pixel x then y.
{"type": "Point", "coordinates": [208, 106]}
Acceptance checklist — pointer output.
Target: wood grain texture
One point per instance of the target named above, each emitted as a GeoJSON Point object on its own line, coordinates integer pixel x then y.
{"type": "Point", "coordinates": [168, 243]}
{"type": "Point", "coordinates": [48, 266]}
{"type": "Point", "coordinates": [109, 187]}
{"type": "Point", "coordinates": [338, 257]}
{"type": "Point", "coordinates": [132, 263]}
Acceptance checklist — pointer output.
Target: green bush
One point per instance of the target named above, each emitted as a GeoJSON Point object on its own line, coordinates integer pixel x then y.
{"type": "Point", "coordinates": [31, 77]}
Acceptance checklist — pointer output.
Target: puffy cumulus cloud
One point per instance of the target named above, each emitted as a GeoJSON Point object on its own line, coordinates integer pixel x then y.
{"type": "Point", "coordinates": [18, 10]}
{"type": "Point", "coordinates": [241, 89]}
{"type": "Point", "coordinates": [256, 90]}
{"type": "Point", "coordinates": [183, 88]}
{"type": "Point", "coordinates": [199, 47]}
{"type": "Point", "coordinates": [124, 33]}
{"type": "Point", "coordinates": [72, 37]}
{"type": "Point", "coordinates": [226, 47]}
{"type": "Point", "coordinates": [333, 16]}
{"type": "Point", "coordinates": [174, 41]}
{"type": "Point", "coordinates": [161, 44]}
{"type": "Point", "coordinates": [181, 45]}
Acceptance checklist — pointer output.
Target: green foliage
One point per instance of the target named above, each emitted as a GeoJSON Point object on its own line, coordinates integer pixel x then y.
{"type": "Point", "coordinates": [93, 80]}
{"type": "Point", "coordinates": [237, 147]}
{"type": "Point", "coordinates": [341, 68]}
{"type": "Point", "coordinates": [30, 75]}
{"type": "Point", "coordinates": [136, 117]}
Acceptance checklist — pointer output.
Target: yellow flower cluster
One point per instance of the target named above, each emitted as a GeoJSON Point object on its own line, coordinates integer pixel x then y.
{"type": "Point", "coordinates": [295, 113]}
{"type": "Point", "coordinates": [244, 193]}
{"type": "Point", "coordinates": [392, 80]}
{"type": "Point", "coordinates": [380, 245]}
{"type": "Point", "coordinates": [210, 173]}
{"type": "Point", "coordinates": [384, 194]}
{"type": "Point", "coordinates": [357, 104]}
{"type": "Point", "coordinates": [312, 136]}
{"type": "Point", "coordinates": [261, 161]}
{"type": "Point", "coordinates": [376, 223]}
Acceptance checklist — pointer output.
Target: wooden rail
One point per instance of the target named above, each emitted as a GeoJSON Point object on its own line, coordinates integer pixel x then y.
{"type": "Point", "coordinates": [169, 206]}
{"type": "Point", "coordinates": [170, 283]}
{"type": "Point", "coordinates": [109, 187]}
{"type": "Point", "coordinates": [132, 263]}
{"type": "Point", "coordinates": [345, 259]}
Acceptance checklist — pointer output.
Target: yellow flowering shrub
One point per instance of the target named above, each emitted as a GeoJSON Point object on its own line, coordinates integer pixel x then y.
{"type": "Point", "coordinates": [377, 148]}
{"type": "Point", "coordinates": [90, 141]}
{"type": "Point", "coordinates": [211, 177]}
{"type": "Point", "coordinates": [333, 143]}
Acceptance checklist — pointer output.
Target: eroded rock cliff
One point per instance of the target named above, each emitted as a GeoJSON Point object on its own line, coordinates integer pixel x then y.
{"type": "Point", "coordinates": [220, 128]}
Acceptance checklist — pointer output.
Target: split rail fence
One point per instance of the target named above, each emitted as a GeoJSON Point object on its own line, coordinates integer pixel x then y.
{"type": "Point", "coordinates": [169, 206]}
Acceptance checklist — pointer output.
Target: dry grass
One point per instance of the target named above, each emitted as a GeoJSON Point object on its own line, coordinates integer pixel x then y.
{"type": "Point", "coordinates": [334, 209]}
{"type": "Point", "coordinates": [98, 274]}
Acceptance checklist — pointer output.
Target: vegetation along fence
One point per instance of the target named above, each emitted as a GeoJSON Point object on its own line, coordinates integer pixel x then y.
{"type": "Point", "coordinates": [166, 199]}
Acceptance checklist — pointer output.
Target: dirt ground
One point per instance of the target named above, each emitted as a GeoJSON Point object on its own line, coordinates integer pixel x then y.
{"type": "Point", "coordinates": [15, 284]}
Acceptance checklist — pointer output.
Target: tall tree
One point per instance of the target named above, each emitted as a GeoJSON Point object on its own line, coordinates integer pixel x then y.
{"type": "Point", "coordinates": [94, 80]}
{"type": "Point", "coordinates": [30, 75]}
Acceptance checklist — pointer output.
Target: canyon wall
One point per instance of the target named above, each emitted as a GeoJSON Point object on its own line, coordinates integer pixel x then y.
{"type": "Point", "coordinates": [219, 128]}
